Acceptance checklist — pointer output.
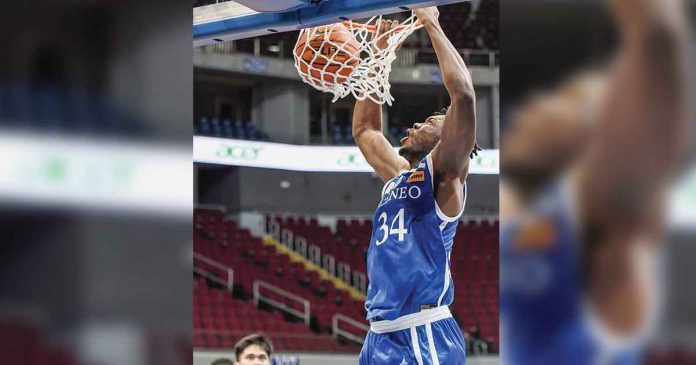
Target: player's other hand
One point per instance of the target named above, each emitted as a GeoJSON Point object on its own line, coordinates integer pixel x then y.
{"type": "Point", "coordinates": [427, 16]}
{"type": "Point", "coordinates": [383, 27]}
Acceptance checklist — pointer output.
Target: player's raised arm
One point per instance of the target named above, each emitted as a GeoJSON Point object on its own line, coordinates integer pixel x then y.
{"type": "Point", "coordinates": [451, 156]}
{"type": "Point", "coordinates": [643, 123]}
{"type": "Point", "coordinates": [367, 132]}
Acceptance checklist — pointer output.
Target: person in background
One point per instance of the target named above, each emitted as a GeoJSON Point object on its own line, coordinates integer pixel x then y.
{"type": "Point", "coordinates": [254, 349]}
{"type": "Point", "coordinates": [469, 345]}
{"type": "Point", "coordinates": [222, 361]}
{"type": "Point", "coordinates": [478, 345]}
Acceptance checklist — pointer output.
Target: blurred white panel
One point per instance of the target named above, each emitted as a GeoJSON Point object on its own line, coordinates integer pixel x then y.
{"type": "Point", "coordinates": [110, 343]}
{"type": "Point", "coordinates": [96, 174]}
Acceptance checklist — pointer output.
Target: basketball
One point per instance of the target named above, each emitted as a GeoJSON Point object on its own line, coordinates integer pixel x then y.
{"type": "Point", "coordinates": [331, 49]}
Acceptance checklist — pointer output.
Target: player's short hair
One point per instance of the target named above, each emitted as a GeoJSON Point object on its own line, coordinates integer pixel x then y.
{"type": "Point", "coordinates": [253, 339]}
{"type": "Point", "coordinates": [442, 111]}
{"type": "Point", "coordinates": [222, 361]}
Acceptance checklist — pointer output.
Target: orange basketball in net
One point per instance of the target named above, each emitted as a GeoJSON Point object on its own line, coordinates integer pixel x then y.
{"type": "Point", "coordinates": [329, 56]}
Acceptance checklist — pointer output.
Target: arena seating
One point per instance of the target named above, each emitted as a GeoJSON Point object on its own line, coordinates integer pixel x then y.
{"type": "Point", "coordinates": [219, 320]}
{"type": "Point", "coordinates": [343, 134]}
{"type": "Point", "coordinates": [251, 260]}
{"type": "Point", "coordinates": [349, 245]}
{"type": "Point", "coordinates": [216, 127]}
{"type": "Point", "coordinates": [474, 265]}
{"type": "Point", "coordinates": [76, 110]}
{"type": "Point", "coordinates": [239, 129]}
{"type": "Point", "coordinates": [480, 30]}
{"type": "Point", "coordinates": [454, 22]}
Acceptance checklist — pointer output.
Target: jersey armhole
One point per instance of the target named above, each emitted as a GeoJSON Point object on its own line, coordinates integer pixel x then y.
{"type": "Point", "coordinates": [440, 214]}
{"type": "Point", "coordinates": [609, 340]}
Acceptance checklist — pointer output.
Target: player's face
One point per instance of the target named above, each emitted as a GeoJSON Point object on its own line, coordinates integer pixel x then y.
{"type": "Point", "coordinates": [254, 355]}
{"type": "Point", "coordinates": [423, 136]}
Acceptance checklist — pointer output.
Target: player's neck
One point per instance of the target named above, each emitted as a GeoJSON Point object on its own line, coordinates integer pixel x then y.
{"type": "Point", "coordinates": [414, 159]}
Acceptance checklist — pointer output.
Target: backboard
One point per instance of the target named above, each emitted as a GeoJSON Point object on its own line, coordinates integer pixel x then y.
{"type": "Point", "coordinates": [233, 20]}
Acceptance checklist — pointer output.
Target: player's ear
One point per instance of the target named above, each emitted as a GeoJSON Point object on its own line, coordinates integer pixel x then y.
{"type": "Point", "coordinates": [441, 121]}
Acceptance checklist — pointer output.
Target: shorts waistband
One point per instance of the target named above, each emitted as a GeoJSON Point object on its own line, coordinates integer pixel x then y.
{"type": "Point", "coordinates": [411, 320]}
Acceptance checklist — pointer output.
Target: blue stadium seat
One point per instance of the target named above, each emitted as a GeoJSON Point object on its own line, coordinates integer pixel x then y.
{"type": "Point", "coordinates": [349, 135]}
{"type": "Point", "coordinates": [261, 136]}
{"type": "Point", "coordinates": [50, 114]}
{"type": "Point", "coordinates": [217, 128]}
{"type": "Point", "coordinates": [21, 102]}
{"type": "Point", "coordinates": [227, 128]}
{"type": "Point", "coordinates": [395, 134]}
{"type": "Point", "coordinates": [204, 126]}
{"type": "Point", "coordinates": [239, 129]}
{"type": "Point", "coordinates": [337, 136]}
{"type": "Point", "coordinates": [80, 111]}
{"type": "Point", "coordinates": [250, 131]}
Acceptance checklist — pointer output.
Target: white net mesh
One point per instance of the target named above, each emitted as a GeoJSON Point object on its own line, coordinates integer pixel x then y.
{"type": "Point", "coordinates": [343, 58]}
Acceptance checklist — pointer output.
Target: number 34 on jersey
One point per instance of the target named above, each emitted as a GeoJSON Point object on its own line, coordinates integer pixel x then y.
{"type": "Point", "coordinates": [395, 228]}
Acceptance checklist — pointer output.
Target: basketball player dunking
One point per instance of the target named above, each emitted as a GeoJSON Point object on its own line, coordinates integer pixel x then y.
{"type": "Point", "coordinates": [582, 197]}
{"type": "Point", "coordinates": [410, 285]}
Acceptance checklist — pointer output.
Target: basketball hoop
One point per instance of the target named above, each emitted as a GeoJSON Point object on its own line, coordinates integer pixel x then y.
{"type": "Point", "coordinates": [343, 58]}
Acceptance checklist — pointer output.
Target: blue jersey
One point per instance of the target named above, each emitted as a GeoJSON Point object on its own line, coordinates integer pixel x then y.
{"type": "Point", "coordinates": [408, 258]}
{"type": "Point", "coordinates": [543, 318]}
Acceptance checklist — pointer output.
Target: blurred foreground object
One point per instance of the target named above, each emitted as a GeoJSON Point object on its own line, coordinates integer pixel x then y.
{"type": "Point", "coordinates": [95, 183]}
{"type": "Point", "coordinates": [586, 171]}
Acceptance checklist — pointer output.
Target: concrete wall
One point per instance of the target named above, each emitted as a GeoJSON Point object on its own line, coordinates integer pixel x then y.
{"type": "Point", "coordinates": [484, 118]}
{"type": "Point", "coordinates": [255, 189]}
{"type": "Point", "coordinates": [282, 110]}
{"type": "Point", "coordinates": [216, 185]}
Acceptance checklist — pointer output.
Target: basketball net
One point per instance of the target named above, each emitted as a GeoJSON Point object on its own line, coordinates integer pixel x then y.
{"type": "Point", "coordinates": [369, 78]}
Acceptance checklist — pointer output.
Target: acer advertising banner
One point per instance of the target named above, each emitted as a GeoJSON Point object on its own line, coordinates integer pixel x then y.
{"type": "Point", "coordinates": [224, 151]}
